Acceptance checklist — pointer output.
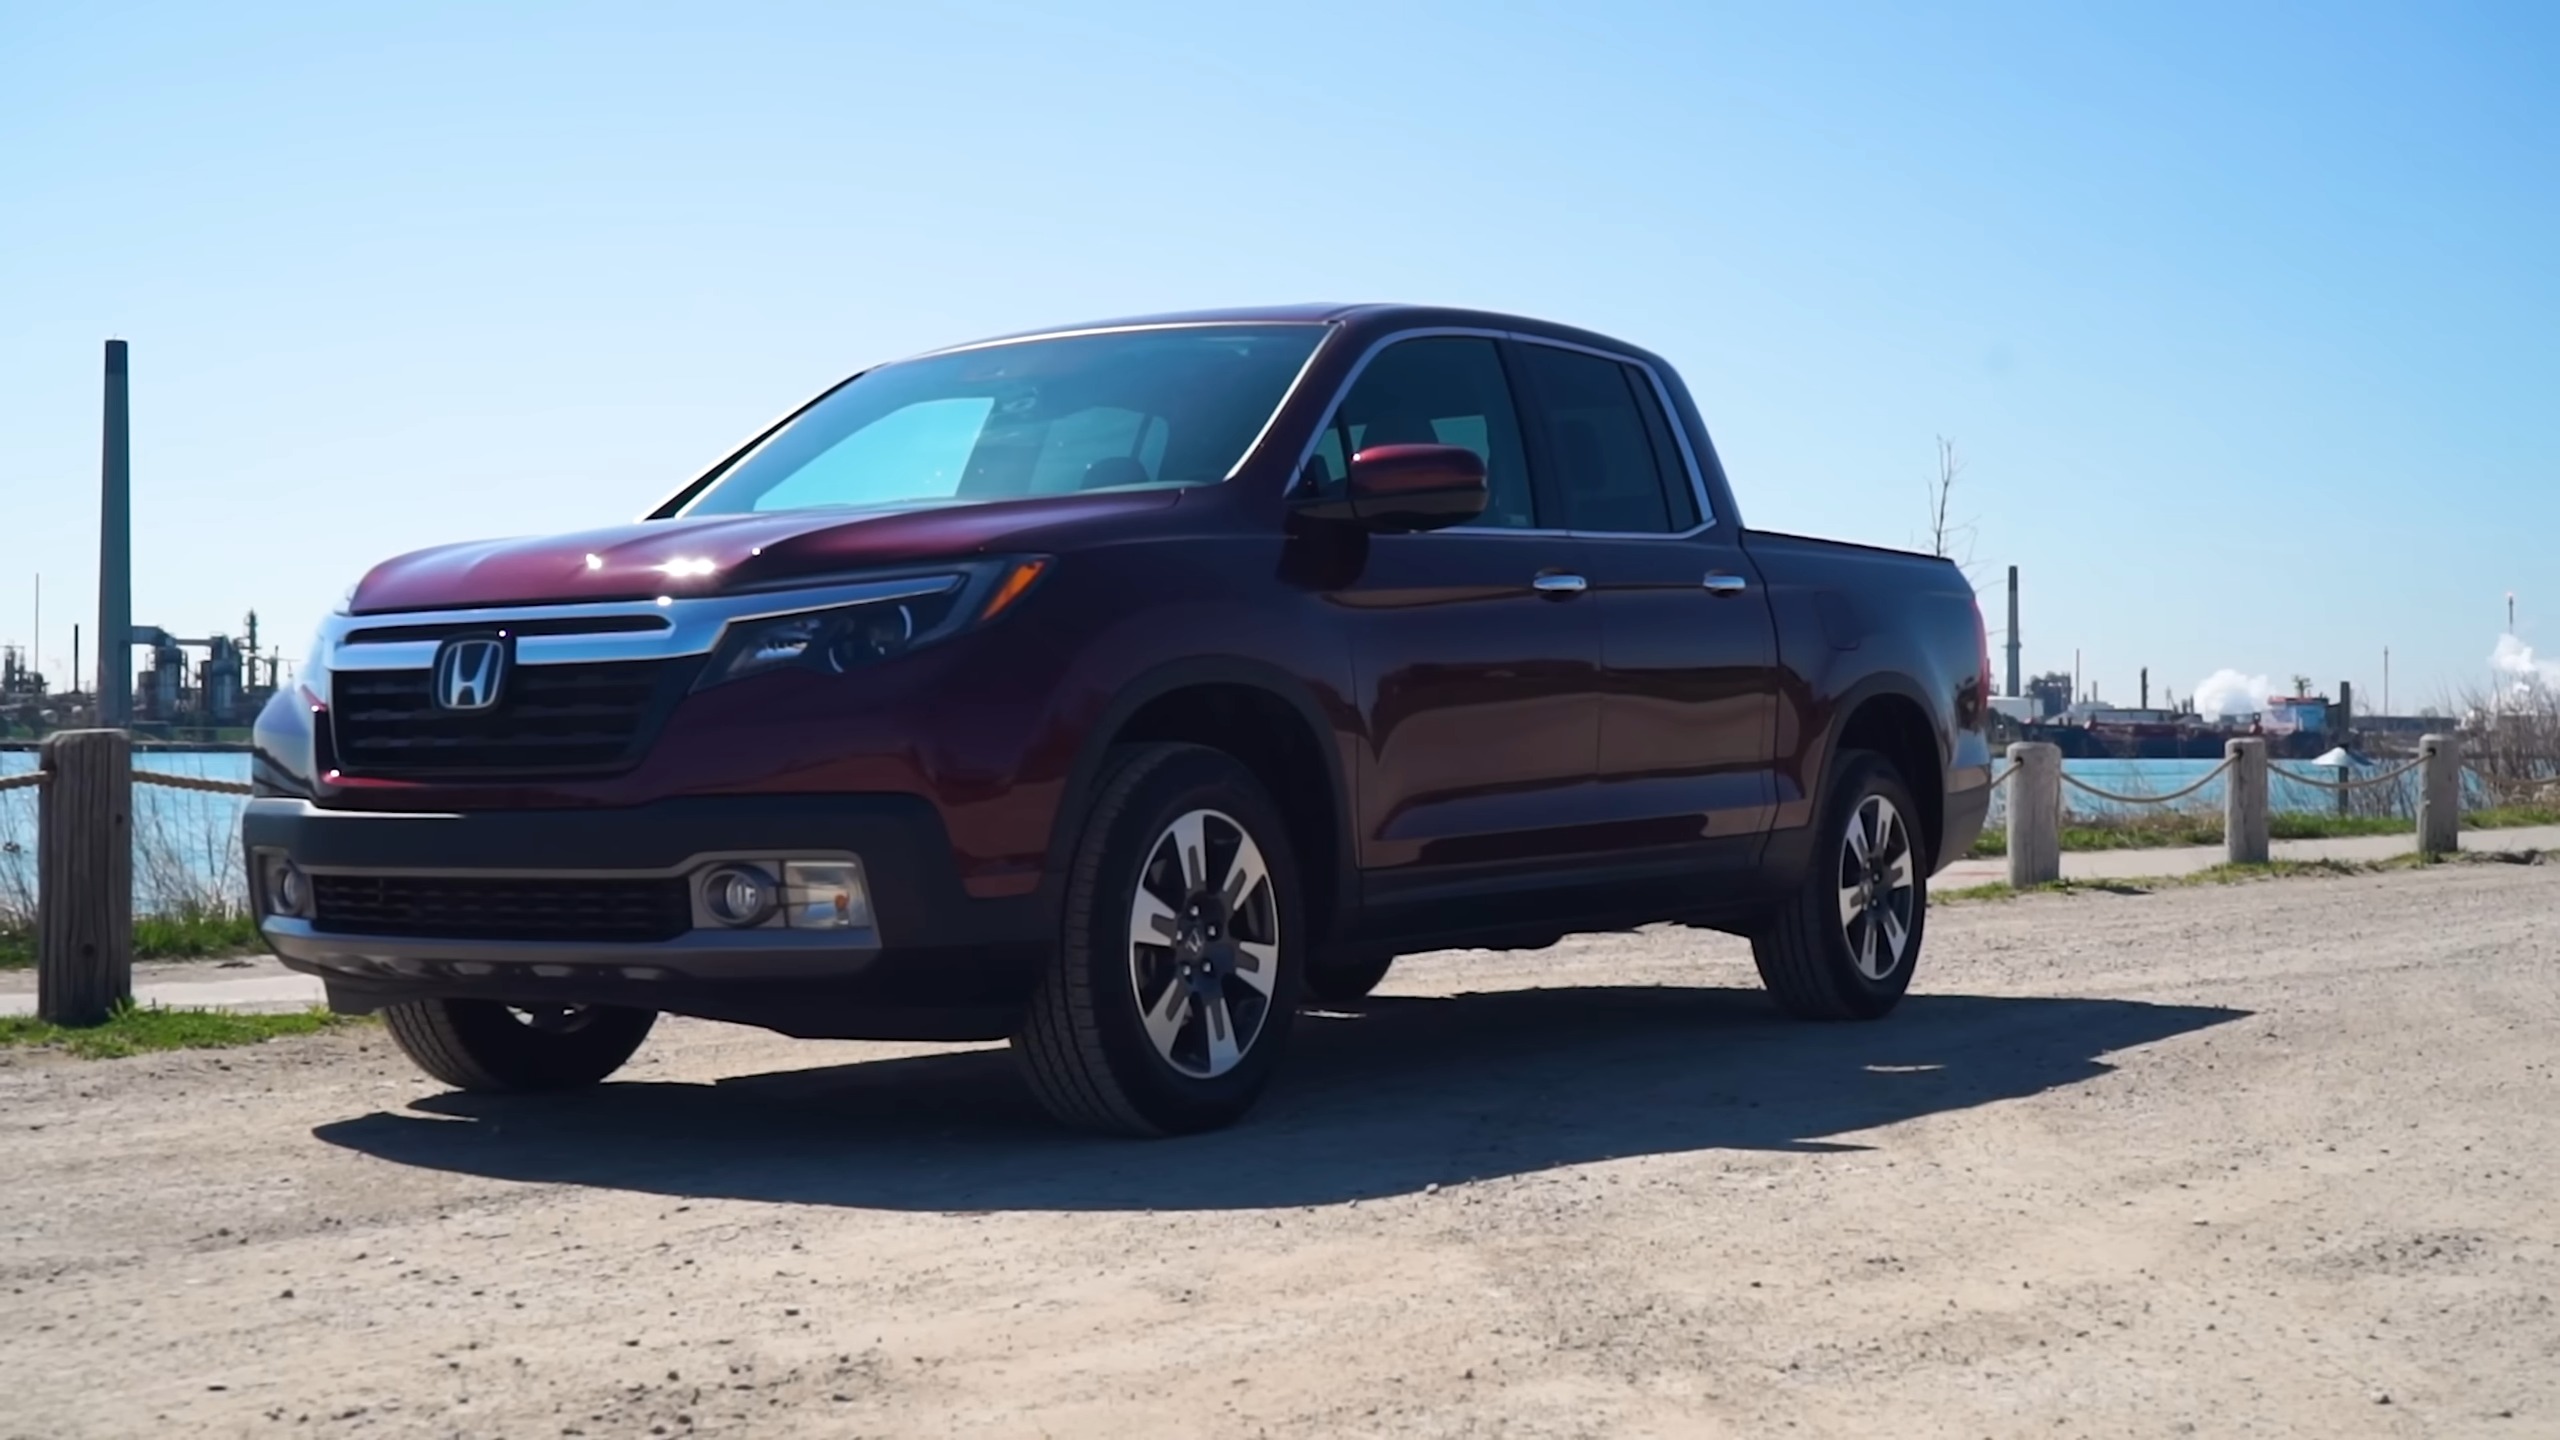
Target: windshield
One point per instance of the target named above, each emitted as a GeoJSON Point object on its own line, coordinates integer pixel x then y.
{"type": "Point", "coordinates": [1127, 410]}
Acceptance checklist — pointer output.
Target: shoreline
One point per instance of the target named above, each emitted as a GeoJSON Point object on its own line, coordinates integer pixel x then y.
{"type": "Point", "coordinates": [191, 747]}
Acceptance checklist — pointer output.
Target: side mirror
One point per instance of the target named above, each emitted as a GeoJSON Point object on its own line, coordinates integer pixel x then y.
{"type": "Point", "coordinates": [1409, 487]}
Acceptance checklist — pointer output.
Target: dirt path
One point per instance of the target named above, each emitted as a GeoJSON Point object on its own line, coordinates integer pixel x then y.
{"type": "Point", "coordinates": [2274, 1159]}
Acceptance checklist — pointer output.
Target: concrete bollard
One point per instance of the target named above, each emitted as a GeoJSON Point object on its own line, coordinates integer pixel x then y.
{"type": "Point", "coordinates": [2035, 815]}
{"type": "Point", "coordinates": [2439, 795]}
{"type": "Point", "coordinates": [2244, 803]}
{"type": "Point", "coordinates": [84, 877]}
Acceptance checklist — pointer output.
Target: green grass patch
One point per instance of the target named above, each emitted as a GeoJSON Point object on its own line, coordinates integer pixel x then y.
{"type": "Point", "coordinates": [2511, 817]}
{"type": "Point", "coordinates": [2228, 874]}
{"type": "Point", "coordinates": [2225, 874]}
{"type": "Point", "coordinates": [2157, 832]}
{"type": "Point", "coordinates": [208, 935]}
{"type": "Point", "coordinates": [134, 1029]}
{"type": "Point", "coordinates": [195, 937]}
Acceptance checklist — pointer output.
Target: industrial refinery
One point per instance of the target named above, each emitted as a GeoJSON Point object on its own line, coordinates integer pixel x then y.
{"type": "Point", "coordinates": [206, 688]}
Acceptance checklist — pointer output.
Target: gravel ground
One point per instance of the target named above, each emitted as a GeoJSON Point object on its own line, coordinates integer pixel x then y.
{"type": "Point", "coordinates": [2270, 1159]}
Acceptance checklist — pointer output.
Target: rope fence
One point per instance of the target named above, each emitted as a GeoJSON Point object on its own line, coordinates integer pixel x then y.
{"type": "Point", "coordinates": [98, 851]}
{"type": "Point", "coordinates": [2345, 784]}
{"type": "Point", "coordinates": [187, 782]}
{"type": "Point", "coordinates": [2083, 786]}
{"type": "Point", "coordinates": [2037, 783]}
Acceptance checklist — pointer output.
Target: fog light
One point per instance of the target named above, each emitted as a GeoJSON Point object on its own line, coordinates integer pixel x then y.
{"type": "Point", "coordinates": [288, 889]}
{"type": "Point", "coordinates": [740, 895]}
{"type": "Point", "coordinates": [825, 895]}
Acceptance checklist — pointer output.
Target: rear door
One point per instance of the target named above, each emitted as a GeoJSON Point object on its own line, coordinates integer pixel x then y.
{"type": "Point", "coordinates": [1476, 652]}
{"type": "Point", "coordinates": [1689, 675]}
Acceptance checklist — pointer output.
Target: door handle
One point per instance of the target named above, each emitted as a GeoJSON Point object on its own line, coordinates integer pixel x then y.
{"type": "Point", "coordinates": [1559, 586]}
{"type": "Point", "coordinates": [1720, 584]}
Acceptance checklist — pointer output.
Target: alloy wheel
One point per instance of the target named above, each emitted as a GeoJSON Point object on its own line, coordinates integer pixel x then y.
{"type": "Point", "coordinates": [1878, 887]}
{"type": "Point", "coordinates": [1204, 943]}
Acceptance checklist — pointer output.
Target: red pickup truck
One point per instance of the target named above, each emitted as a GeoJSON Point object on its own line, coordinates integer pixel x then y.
{"type": "Point", "coordinates": [1119, 690]}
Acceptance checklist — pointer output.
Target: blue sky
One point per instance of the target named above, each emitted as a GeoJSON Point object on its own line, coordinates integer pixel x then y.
{"type": "Point", "coordinates": [2244, 318]}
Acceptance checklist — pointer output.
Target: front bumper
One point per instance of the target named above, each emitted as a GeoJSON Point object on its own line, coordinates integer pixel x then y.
{"type": "Point", "coordinates": [937, 963]}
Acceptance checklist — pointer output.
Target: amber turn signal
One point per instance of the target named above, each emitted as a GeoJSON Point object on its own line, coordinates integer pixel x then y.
{"type": "Point", "coordinates": [1011, 588]}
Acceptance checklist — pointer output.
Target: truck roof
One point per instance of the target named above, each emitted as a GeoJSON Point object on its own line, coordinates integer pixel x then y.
{"type": "Point", "coordinates": [1376, 317]}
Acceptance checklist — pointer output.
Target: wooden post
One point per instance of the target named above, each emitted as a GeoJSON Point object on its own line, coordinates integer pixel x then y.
{"type": "Point", "coordinates": [2035, 814]}
{"type": "Point", "coordinates": [2439, 795]}
{"type": "Point", "coordinates": [84, 877]}
{"type": "Point", "coordinates": [2244, 802]}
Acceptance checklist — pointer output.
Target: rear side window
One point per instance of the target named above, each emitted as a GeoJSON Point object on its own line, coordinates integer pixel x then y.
{"type": "Point", "coordinates": [1615, 460]}
{"type": "Point", "coordinates": [1444, 390]}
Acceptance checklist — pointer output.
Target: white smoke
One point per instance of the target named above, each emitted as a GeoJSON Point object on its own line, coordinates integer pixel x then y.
{"type": "Point", "coordinates": [2513, 659]}
{"type": "Point", "coordinates": [2226, 693]}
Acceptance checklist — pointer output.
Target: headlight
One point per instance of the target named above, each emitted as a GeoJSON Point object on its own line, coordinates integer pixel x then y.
{"type": "Point", "coordinates": [849, 637]}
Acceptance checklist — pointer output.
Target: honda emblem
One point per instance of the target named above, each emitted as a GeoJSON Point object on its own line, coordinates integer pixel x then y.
{"type": "Point", "coordinates": [469, 673]}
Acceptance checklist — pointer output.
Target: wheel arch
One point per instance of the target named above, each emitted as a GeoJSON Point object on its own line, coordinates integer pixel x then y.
{"type": "Point", "coordinates": [1890, 719]}
{"type": "Point", "coordinates": [1266, 719]}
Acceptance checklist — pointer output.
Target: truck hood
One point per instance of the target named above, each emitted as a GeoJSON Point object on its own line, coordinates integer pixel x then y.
{"type": "Point", "coordinates": [717, 553]}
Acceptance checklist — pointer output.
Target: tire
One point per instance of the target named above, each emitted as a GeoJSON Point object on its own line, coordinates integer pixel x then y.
{"type": "Point", "coordinates": [1346, 979]}
{"type": "Point", "coordinates": [484, 1045]}
{"type": "Point", "coordinates": [1118, 1036]}
{"type": "Point", "coordinates": [1819, 960]}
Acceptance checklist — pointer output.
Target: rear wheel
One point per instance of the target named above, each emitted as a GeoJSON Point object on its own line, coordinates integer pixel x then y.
{"type": "Point", "coordinates": [1168, 998]}
{"type": "Point", "coordinates": [484, 1045]}
{"type": "Point", "coordinates": [1843, 946]}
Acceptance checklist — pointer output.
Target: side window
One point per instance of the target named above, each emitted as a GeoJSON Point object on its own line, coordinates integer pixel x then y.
{"type": "Point", "coordinates": [1677, 487]}
{"type": "Point", "coordinates": [1608, 441]}
{"type": "Point", "coordinates": [1446, 390]}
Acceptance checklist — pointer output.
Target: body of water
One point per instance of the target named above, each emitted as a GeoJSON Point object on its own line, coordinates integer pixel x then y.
{"type": "Point", "coordinates": [2163, 777]}
{"type": "Point", "coordinates": [186, 842]}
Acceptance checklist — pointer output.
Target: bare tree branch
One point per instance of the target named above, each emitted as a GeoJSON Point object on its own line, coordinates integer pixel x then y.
{"type": "Point", "coordinates": [1946, 532]}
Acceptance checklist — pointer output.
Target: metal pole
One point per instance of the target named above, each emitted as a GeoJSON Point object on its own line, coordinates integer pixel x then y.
{"type": "Point", "coordinates": [2014, 691]}
{"type": "Point", "coordinates": [115, 551]}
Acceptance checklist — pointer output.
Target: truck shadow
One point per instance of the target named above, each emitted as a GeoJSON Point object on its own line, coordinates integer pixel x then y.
{"type": "Point", "coordinates": [1408, 1093]}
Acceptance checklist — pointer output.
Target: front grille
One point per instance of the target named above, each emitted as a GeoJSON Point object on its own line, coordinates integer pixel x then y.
{"type": "Point", "coordinates": [551, 718]}
{"type": "Point", "coordinates": [451, 907]}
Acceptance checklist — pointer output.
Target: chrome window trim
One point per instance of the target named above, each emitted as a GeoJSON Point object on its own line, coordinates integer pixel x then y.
{"type": "Point", "coordinates": [1661, 395]}
{"type": "Point", "coordinates": [1251, 449]}
{"type": "Point", "coordinates": [694, 626]}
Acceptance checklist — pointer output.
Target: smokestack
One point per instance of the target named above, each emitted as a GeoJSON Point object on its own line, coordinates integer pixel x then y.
{"type": "Point", "coordinates": [2146, 687]}
{"type": "Point", "coordinates": [115, 552]}
{"type": "Point", "coordinates": [2013, 633]}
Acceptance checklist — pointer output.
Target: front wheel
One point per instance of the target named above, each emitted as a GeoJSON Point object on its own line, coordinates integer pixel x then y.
{"type": "Point", "coordinates": [484, 1045]}
{"type": "Point", "coordinates": [1843, 946]}
{"type": "Point", "coordinates": [1168, 998]}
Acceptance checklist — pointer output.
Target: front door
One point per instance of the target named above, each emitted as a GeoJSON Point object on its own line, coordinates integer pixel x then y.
{"type": "Point", "coordinates": [1688, 651]}
{"type": "Point", "coordinates": [1476, 653]}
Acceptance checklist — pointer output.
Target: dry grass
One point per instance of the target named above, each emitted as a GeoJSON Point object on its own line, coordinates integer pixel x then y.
{"type": "Point", "coordinates": [190, 884]}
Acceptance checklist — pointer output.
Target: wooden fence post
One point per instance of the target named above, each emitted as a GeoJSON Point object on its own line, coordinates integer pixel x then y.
{"type": "Point", "coordinates": [84, 877]}
{"type": "Point", "coordinates": [2035, 814]}
{"type": "Point", "coordinates": [2439, 795]}
{"type": "Point", "coordinates": [2244, 802]}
